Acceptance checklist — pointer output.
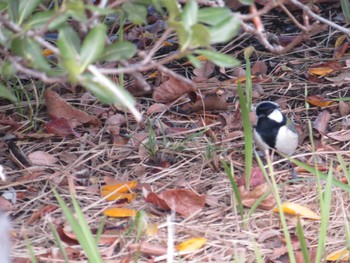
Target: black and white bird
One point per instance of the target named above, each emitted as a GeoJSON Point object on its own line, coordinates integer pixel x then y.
{"type": "Point", "coordinates": [273, 130]}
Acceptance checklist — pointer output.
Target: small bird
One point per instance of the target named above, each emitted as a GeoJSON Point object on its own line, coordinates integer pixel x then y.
{"type": "Point", "coordinates": [273, 130]}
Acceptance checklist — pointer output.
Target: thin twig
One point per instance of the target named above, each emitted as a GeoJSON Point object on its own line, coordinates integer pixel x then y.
{"type": "Point", "coordinates": [307, 10]}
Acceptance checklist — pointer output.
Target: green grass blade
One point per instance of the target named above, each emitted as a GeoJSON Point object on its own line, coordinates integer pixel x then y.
{"type": "Point", "coordinates": [59, 242]}
{"type": "Point", "coordinates": [230, 173]}
{"type": "Point", "coordinates": [302, 241]}
{"type": "Point", "coordinates": [325, 201]}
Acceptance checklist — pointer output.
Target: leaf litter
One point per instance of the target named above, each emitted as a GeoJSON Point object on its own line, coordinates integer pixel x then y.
{"type": "Point", "coordinates": [195, 141]}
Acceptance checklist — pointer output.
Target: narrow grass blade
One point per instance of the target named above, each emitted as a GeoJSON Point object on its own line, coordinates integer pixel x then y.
{"type": "Point", "coordinates": [230, 173]}
{"type": "Point", "coordinates": [59, 242]}
{"type": "Point", "coordinates": [302, 241]}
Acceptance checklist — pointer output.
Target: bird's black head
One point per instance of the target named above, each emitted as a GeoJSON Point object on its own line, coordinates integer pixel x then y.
{"type": "Point", "coordinates": [265, 108]}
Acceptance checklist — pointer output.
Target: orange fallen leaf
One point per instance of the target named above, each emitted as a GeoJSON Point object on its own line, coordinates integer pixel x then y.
{"type": "Point", "coordinates": [339, 255]}
{"type": "Point", "coordinates": [120, 212]}
{"type": "Point", "coordinates": [120, 187]}
{"type": "Point", "coordinates": [324, 69]}
{"type": "Point", "coordinates": [318, 101]}
{"type": "Point", "coordinates": [296, 209]}
{"type": "Point", "coordinates": [118, 196]}
{"type": "Point", "coordinates": [191, 244]}
{"type": "Point", "coordinates": [243, 79]}
{"type": "Point", "coordinates": [200, 58]}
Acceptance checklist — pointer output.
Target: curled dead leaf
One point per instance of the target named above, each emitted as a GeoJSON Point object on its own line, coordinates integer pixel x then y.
{"type": "Point", "coordinates": [184, 202]}
{"type": "Point", "coordinates": [61, 127]}
{"type": "Point", "coordinates": [58, 108]}
{"type": "Point", "coordinates": [210, 103]}
{"type": "Point", "coordinates": [41, 212]}
{"type": "Point", "coordinates": [321, 122]}
{"type": "Point", "coordinates": [170, 90]}
{"type": "Point", "coordinates": [156, 108]}
{"type": "Point", "coordinates": [249, 197]}
{"type": "Point", "coordinates": [344, 108]}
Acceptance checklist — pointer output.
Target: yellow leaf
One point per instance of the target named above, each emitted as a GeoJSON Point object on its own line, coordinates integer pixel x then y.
{"type": "Point", "coordinates": [296, 209]}
{"type": "Point", "coordinates": [321, 71]}
{"type": "Point", "coordinates": [118, 196]}
{"type": "Point", "coordinates": [120, 212]}
{"type": "Point", "coordinates": [47, 52]}
{"type": "Point", "coordinates": [121, 187]}
{"type": "Point", "coordinates": [339, 255]}
{"type": "Point", "coordinates": [191, 244]}
{"type": "Point", "coordinates": [243, 79]}
{"type": "Point", "coordinates": [340, 40]}
{"type": "Point", "coordinates": [152, 229]}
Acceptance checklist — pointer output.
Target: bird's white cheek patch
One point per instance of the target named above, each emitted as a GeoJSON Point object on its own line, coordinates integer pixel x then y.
{"type": "Point", "coordinates": [276, 115]}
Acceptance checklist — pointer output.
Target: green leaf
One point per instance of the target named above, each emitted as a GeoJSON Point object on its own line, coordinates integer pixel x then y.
{"type": "Point", "coordinates": [26, 8]}
{"type": "Point", "coordinates": [200, 36]}
{"type": "Point", "coordinates": [135, 13]}
{"type": "Point", "coordinates": [13, 10]}
{"type": "Point", "coordinates": [214, 15]}
{"type": "Point", "coordinates": [345, 7]}
{"type": "Point", "coordinates": [7, 69]}
{"type": "Point", "coordinates": [30, 51]}
{"type": "Point", "coordinates": [69, 46]}
{"type": "Point", "coordinates": [173, 8]}
{"type": "Point", "coordinates": [183, 35]}
{"type": "Point", "coordinates": [189, 14]}
{"type": "Point", "coordinates": [76, 9]}
{"type": "Point", "coordinates": [225, 30]}
{"type": "Point", "coordinates": [118, 51]}
{"type": "Point", "coordinates": [222, 60]}
{"type": "Point", "coordinates": [246, 2]}
{"type": "Point", "coordinates": [7, 94]}
{"type": "Point", "coordinates": [105, 93]}
{"type": "Point", "coordinates": [93, 45]}
{"type": "Point", "coordinates": [3, 6]}
{"type": "Point", "coordinates": [195, 61]}
{"type": "Point", "coordinates": [41, 19]}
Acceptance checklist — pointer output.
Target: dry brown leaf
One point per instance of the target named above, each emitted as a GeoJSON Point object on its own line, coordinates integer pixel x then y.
{"type": "Point", "coordinates": [184, 202]}
{"type": "Point", "coordinates": [210, 103]}
{"type": "Point", "coordinates": [156, 108]}
{"type": "Point", "coordinates": [68, 239]}
{"type": "Point", "coordinates": [170, 90]}
{"type": "Point", "coordinates": [42, 158]}
{"type": "Point", "coordinates": [249, 198]}
{"type": "Point", "coordinates": [58, 108]}
{"type": "Point", "coordinates": [256, 178]}
{"type": "Point", "coordinates": [259, 68]}
{"type": "Point", "coordinates": [321, 122]}
{"type": "Point", "coordinates": [114, 122]}
{"type": "Point", "coordinates": [344, 108]}
{"type": "Point", "coordinates": [147, 248]}
{"type": "Point", "coordinates": [61, 127]}
{"type": "Point", "coordinates": [342, 136]}
{"type": "Point", "coordinates": [41, 212]}
{"type": "Point", "coordinates": [204, 72]}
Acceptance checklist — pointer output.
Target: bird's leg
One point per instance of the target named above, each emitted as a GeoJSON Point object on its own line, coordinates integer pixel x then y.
{"type": "Point", "coordinates": [293, 172]}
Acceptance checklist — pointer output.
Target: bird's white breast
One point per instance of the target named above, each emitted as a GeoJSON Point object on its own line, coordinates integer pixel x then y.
{"type": "Point", "coordinates": [286, 141]}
